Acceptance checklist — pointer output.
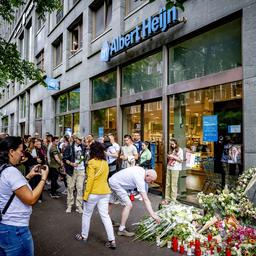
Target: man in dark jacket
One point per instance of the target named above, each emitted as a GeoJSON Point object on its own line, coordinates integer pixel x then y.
{"type": "Point", "coordinates": [73, 158]}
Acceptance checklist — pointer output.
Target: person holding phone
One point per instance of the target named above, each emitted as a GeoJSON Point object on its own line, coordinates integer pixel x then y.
{"type": "Point", "coordinates": [15, 235]}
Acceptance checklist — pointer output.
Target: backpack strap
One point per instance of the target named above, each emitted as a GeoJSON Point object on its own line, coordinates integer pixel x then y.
{"type": "Point", "coordinates": [4, 166]}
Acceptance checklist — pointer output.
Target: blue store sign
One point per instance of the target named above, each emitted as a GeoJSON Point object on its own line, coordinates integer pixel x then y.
{"type": "Point", "coordinates": [149, 27]}
{"type": "Point", "coordinates": [210, 128]}
{"type": "Point", "coordinates": [52, 84]}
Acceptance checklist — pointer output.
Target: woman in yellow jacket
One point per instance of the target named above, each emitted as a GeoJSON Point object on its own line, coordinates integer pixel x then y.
{"type": "Point", "coordinates": [97, 192]}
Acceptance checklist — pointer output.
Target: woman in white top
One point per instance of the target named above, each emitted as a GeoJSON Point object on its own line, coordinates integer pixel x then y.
{"type": "Point", "coordinates": [15, 236]}
{"type": "Point", "coordinates": [174, 166]}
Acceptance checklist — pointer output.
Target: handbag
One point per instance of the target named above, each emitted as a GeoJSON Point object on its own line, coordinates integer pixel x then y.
{"type": "Point", "coordinates": [11, 197]}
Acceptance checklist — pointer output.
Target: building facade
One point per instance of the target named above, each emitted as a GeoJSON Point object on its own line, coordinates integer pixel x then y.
{"type": "Point", "coordinates": [193, 79]}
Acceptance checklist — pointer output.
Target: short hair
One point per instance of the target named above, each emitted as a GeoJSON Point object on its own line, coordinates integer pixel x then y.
{"type": "Point", "coordinates": [127, 136]}
{"type": "Point", "coordinates": [55, 138]}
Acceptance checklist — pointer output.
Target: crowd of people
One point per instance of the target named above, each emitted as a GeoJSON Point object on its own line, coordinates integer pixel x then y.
{"type": "Point", "coordinates": [94, 173]}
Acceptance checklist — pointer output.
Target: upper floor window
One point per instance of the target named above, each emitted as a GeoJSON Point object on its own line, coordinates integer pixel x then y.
{"type": "Point", "coordinates": [75, 1]}
{"type": "Point", "coordinates": [28, 41]}
{"type": "Point", "coordinates": [40, 60]}
{"type": "Point", "coordinates": [76, 35]}
{"type": "Point", "coordinates": [40, 23]}
{"type": "Point", "coordinates": [59, 13]}
{"type": "Point", "coordinates": [22, 106]}
{"type": "Point", "coordinates": [102, 15]}
{"type": "Point", "coordinates": [21, 44]}
{"type": "Point", "coordinates": [131, 5]}
{"type": "Point", "coordinates": [57, 51]}
{"type": "Point", "coordinates": [5, 121]}
{"type": "Point", "coordinates": [39, 110]}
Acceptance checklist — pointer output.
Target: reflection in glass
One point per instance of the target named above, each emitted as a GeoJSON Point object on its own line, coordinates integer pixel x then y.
{"type": "Point", "coordinates": [211, 52]}
{"type": "Point", "coordinates": [143, 75]}
{"type": "Point", "coordinates": [74, 99]}
{"type": "Point", "coordinates": [105, 118]}
{"type": "Point", "coordinates": [204, 158]}
{"type": "Point", "coordinates": [132, 119]}
{"type": "Point", "coordinates": [104, 87]}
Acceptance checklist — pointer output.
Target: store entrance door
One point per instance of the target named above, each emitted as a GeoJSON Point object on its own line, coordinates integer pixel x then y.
{"type": "Point", "coordinates": [146, 118]}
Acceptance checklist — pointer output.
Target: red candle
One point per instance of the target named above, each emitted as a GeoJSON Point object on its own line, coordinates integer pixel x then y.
{"type": "Point", "coordinates": [174, 244]}
{"type": "Point", "coordinates": [229, 240]}
{"type": "Point", "coordinates": [198, 252]}
{"type": "Point", "coordinates": [197, 243]}
{"type": "Point", "coordinates": [191, 243]}
{"type": "Point", "coordinates": [182, 250]}
{"type": "Point", "coordinates": [218, 249]}
{"type": "Point", "coordinates": [209, 237]}
{"type": "Point", "coordinates": [228, 252]}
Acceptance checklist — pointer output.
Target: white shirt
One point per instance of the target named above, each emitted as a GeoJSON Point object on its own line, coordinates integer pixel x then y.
{"type": "Point", "coordinates": [178, 165]}
{"type": "Point", "coordinates": [78, 155]}
{"type": "Point", "coordinates": [129, 179]}
{"type": "Point", "coordinates": [18, 213]}
{"type": "Point", "coordinates": [112, 150]}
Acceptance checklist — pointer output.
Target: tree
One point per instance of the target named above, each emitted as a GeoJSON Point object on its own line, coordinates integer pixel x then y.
{"type": "Point", "coordinates": [12, 67]}
{"type": "Point", "coordinates": [171, 3]}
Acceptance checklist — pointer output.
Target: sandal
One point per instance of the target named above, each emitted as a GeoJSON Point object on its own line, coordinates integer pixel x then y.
{"type": "Point", "coordinates": [111, 245]}
{"type": "Point", "coordinates": [79, 237]}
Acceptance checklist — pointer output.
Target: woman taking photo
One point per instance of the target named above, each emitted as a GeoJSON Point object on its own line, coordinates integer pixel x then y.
{"type": "Point", "coordinates": [97, 192]}
{"type": "Point", "coordinates": [16, 198]}
{"type": "Point", "coordinates": [174, 166]}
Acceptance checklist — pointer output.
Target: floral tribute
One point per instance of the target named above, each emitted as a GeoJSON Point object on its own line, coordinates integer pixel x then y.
{"type": "Point", "coordinates": [226, 224]}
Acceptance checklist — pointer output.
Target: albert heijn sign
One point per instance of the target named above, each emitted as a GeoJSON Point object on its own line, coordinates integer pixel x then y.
{"type": "Point", "coordinates": [148, 28]}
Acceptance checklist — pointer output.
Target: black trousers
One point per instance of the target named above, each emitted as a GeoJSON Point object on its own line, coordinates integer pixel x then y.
{"type": "Point", "coordinates": [53, 175]}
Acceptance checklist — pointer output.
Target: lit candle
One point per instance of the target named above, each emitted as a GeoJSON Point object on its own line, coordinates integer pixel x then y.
{"type": "Point", "coordinates": [228, 252]}
{"type": "Point", "coordinates": [182, 250]}
{"type": "Point", "coordinates": [169, 244]}
{"type": "Point", "coordinates": [158, 241]}
{"type": "Point", "coordinates": [209, 237]}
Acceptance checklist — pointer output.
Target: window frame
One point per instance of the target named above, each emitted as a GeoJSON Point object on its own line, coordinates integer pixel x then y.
{"type": "Point", "coordinates": [40, 60]}
{"type": "Point", "coordinates": [76, 26]}
{"type": "Point", "coordinates": [95, 8]}
{"type": "Point", "coordinates": [57, 44]}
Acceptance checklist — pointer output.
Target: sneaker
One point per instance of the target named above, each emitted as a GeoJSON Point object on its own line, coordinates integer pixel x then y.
{"type": "Point", "coordinates": [65, 192]}
{"type": "Point", "coordinates": [111, 245]}
{"type": "Point", "coordinates": [54, 196]}
{"type": "Point", "coordinates": [125, 233]}
{"type": "Point", "coordinates": [79, 210]}
{"type": "Point", "coordinates": [68, 210]}
{"type": "Point", "coordinates": [39, 201]}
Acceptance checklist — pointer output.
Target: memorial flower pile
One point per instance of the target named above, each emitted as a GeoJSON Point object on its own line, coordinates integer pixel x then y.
{"type": "Point", "coordinates": [224, 226]}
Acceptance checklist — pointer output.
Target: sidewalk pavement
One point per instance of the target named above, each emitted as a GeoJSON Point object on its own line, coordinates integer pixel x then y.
{"type": "Point", "coordinates": [53, 231]}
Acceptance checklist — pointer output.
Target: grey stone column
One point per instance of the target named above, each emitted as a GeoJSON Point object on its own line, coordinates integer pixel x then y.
{"type": "Point", "coordinates": [249, 85]}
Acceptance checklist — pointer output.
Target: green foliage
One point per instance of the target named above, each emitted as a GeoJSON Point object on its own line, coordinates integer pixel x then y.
{"type": "Point", "coordinates": [12, 67]}
{"type": "Point", "coordinates": [170, 3]}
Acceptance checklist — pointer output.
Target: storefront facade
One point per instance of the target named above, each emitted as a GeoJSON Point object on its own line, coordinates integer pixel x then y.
{"type": "Point", "coordinates": [131, 66]}
{"type": "Point", "coordinates": [189, 85]}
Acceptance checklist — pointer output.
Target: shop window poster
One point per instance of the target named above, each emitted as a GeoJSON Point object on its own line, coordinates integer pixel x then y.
{"type": "Point", "coordinates": [231, 154]}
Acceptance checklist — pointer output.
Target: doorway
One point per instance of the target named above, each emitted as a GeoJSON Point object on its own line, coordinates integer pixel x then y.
{"type": "Point", "coordinates": [146, 118]}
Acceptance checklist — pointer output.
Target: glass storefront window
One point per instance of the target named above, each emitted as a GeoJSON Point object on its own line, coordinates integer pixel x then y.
{"type": "Point", "coordinates": [132, 119]}
{"type": "Point", "coordinates": [208, 145]}
{"type": "Point", "coordinates": [66, 121]}
{"type": "Point", "coordinates": [74, 99]}
{"type": "Point", "coordinates": [68, 101]}
{"type": "Point", "coordinates": [146, 119]}
{"type": "Point", "coordinates": [104, 121]}
{"type": "Point", "coordinates": [214, 51]}
{"type": "Point", "coordinates": [104, 87]}
{"type": "Point", "coordinates": [69, 122]}
{"type": "Point", "coordinates": [143, 75]}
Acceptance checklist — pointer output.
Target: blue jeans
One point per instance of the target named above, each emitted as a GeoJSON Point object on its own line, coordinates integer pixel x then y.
{"type": "Point", "coordinates": [15, 241]}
